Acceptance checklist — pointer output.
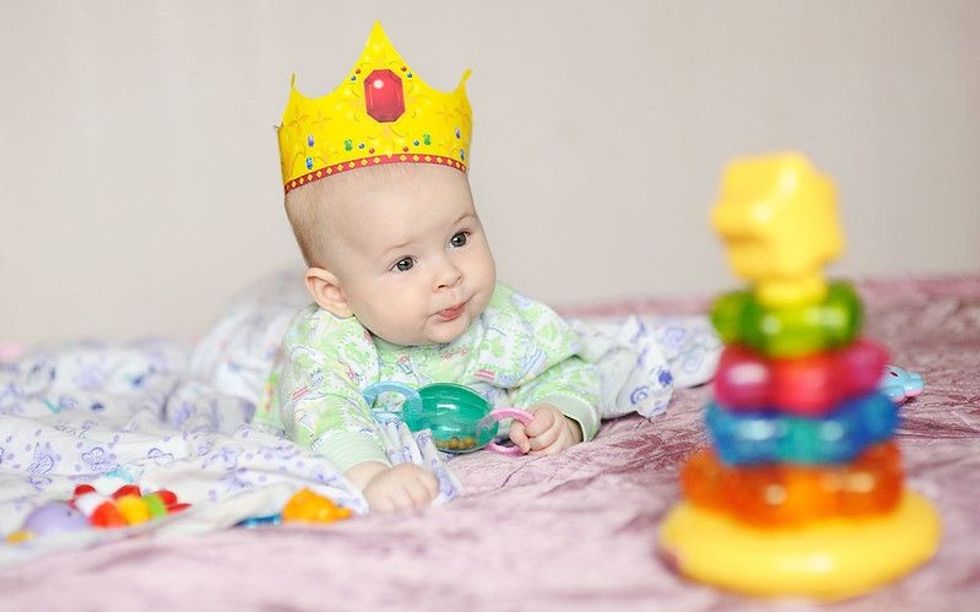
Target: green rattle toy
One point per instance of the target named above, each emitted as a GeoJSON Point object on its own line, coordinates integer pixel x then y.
{"type": "Point", "coordinates": [461, 420]}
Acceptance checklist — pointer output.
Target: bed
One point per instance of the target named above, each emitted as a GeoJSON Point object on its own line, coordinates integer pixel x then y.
{"type": "Point", "coordinates": [571, 532]}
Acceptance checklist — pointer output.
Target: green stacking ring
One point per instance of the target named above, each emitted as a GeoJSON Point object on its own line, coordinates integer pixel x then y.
{"type": "Point", "coordinates": [791, 331]}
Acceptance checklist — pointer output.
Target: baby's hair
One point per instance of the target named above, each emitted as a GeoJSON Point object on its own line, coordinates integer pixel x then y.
{"type": "Point", "coordinates": [307, 207]}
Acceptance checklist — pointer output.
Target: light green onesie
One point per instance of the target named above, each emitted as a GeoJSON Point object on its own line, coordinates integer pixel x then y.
{"type": "Point", "coordinates": [517, 353]}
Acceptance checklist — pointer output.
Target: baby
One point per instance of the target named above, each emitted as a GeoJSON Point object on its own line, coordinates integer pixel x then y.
{"type": "Point", "coordinates": [404, 283]}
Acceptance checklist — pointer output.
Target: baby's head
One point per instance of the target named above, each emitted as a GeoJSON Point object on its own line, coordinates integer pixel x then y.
{"type": "Point", "coordinates": [399, 246]}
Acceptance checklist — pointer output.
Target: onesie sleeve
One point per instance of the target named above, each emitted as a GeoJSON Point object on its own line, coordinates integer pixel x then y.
{"type": "Point", "coordinates": [571, 386]}
{"type": "Point", "coordinates": [549, 369]}
{"type": "Point", "coordinates": [316, 390]}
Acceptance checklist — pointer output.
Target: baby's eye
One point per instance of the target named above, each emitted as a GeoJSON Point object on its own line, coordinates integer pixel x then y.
{"type": "Point", "coordinates": [404, 265]}
{"type": "Point", "coordinates": [459, 239]}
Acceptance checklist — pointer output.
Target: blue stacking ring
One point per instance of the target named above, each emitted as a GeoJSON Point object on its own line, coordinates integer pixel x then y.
{"type": "Point", "coordinates": [745, 438]}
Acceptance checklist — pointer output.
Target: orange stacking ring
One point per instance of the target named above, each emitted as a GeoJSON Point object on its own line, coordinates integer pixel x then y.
{"type": "Point", "coordinates": [779, 495]}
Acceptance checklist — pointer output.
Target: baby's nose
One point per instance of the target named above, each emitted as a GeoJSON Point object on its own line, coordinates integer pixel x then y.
{"type": "Point", "coordinates": [448, 276]}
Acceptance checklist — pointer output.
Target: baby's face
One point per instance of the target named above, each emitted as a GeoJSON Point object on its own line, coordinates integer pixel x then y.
{"type": "Point", "coordinates": [411, 255]}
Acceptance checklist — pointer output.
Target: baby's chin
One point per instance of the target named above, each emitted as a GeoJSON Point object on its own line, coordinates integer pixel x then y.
{"type": "Point", "coordinates": [445, 332]}
{"type": "Point", "coordinates": [441, 333]}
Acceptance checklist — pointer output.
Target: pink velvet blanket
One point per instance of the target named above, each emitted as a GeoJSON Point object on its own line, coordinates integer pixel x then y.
{"type": "Point", "coordinates": [571, 532]}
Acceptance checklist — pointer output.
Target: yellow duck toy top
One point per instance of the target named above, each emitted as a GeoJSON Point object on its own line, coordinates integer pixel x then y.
{"type": "Point", "coordinates": [382, 112]}
{"type": "Point", "coordinates": [778, 217]}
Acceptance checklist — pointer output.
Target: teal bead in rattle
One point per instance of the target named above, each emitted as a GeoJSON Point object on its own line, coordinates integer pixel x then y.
{"type": "Point", "coordinates": [461, 420]}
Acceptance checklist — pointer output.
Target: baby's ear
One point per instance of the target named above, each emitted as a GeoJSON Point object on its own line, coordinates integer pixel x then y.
{"type": "Point", "coordinates": [325, 288]}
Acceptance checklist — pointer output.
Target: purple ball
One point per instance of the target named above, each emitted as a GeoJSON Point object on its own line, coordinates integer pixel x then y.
{"type": "Point", "coordinates": [55, 517]}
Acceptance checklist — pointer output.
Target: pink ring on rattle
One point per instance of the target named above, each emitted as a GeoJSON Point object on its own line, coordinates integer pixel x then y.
{"type": "Point", "coordinates": [504, 413]}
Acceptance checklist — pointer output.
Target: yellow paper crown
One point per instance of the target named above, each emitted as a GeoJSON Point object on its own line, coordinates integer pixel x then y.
{"type": "Point", "coordinates": [381, 113]}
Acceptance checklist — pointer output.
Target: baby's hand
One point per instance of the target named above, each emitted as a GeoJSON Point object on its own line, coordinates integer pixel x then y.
{"type": "Point", "coordinates": [403, 487]}
{"type": "Point", "coordinates": [548, 433]}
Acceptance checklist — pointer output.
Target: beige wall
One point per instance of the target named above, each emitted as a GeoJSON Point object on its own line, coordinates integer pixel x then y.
{"type": "Point", "coordinates": [140, 175]}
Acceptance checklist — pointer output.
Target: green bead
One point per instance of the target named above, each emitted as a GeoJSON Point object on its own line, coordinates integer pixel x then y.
{"type": "Point", "coordinates": [155, 505]}
{"type": "Point", "coordinates": [348, 145]}
{"type": "Point", "coordinates": [789, 331]}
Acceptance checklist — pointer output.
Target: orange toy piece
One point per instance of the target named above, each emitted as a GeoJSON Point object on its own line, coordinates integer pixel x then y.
{"type": "Point", "coordinates": [309, 507]}
{"type": "Point", "coordinates": [780, 495]}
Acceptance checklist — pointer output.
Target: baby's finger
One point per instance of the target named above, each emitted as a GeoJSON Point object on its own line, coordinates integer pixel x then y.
{"type": "Point", "coordinates": [382, 505]}
{"type": "Point", "coordinates": [518, 435]}
{"type": "Point", "coordinates": [552, 449]}
{"type": "Point", "coordinates": [431, 485]}
{"type": "Point", "coordinates": [545, 439]}
{"type": "Point", "coordinates": [542, 421]}
{"type": "Point", "coordinates": [400, 499]}
{"type": "Point", "coordinates": [418, 494]}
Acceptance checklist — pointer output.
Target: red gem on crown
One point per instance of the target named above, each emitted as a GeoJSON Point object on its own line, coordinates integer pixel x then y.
{"type": "Point", "coordinates": [383, 96]}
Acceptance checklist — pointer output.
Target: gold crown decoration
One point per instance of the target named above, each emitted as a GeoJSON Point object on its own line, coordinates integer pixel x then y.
{"type": "Point", "coordinates": [381, 113]}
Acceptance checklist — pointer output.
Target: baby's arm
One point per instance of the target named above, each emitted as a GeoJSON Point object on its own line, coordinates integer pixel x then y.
{"type": "Point", "coordinates": [359, 453]}
{"type": "Point", "coordinates": [326, 360]}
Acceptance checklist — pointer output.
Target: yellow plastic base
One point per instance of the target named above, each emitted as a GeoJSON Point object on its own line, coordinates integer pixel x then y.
{"type": "Point", "coordinates": [829, 559]}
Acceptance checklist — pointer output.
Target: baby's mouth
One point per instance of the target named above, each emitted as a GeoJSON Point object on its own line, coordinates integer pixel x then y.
{"type": "Point", "coordinates": [451, 313]}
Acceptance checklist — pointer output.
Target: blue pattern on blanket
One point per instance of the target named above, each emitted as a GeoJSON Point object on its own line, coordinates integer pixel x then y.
{"type": "Point", "coordinates": [111, 414]}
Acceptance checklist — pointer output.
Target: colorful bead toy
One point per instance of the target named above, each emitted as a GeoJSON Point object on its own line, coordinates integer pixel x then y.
{"type": "Point", "coordinates": [802, 493]}
{"type": "Point", "coordinates": [89, 508]}
{"type": "Point", "coordinates": [309, 507]}
{"type": "Point", "coordinates": [305, 506]}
